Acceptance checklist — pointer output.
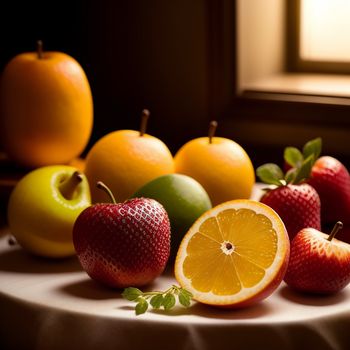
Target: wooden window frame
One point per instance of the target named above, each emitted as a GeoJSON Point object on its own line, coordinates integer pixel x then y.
{"type": "Point", "coordinates": [298, 117]}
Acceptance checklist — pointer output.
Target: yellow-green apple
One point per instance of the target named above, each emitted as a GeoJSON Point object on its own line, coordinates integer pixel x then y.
{"type": "Point", "coordinates": [123, 244]}
{"type": "Point", "coordinates": [319, 263]}
{"type": "Point", "coordinates": [43, 207]}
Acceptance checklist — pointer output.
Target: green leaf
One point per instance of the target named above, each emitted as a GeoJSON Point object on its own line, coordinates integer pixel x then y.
{"type": "Point", "coordinates": [168, 301]}
{"type": "Point", "coordinates": [157, 301]}
{"type": "Point", "coordinates": [131, 293]}
{"type": "Point", "coordinates": [291, 175]}
{"type": "Point", "coordinates": [184, 298]}
{"type": "Point", "coordinates": [305, 170]}
{"type": "Point", "coordinates": [270, 174]}
{"type": "Point", "coordinates": [141, 306]}
{"type": "Point", "coordinates": [186, 292]}
{"type": "Point", "coordinates": [293, 156]}
{"type": "Point", "coordinates": [313, 147]}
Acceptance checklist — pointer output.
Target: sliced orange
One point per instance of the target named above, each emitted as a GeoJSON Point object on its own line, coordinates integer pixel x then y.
{"type": "Point", "coordinates": [234, 255]}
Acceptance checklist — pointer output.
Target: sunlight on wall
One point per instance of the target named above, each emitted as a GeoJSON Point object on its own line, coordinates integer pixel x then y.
{"type": "Point", "coordinates": [325, 30]}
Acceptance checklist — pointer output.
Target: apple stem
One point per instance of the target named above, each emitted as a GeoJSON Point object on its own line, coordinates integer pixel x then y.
{"type": "Point", "coordinates": [337, 227]}
{"type": "Point", "coordinates": [39, 49]}
{"type": "Point", "coordinates": [144, 119]}
{"type": "Point", "coordinates": [100, 185]}
{"type": "Point", "coordinates": [212, 128]}
{"type": "Point", "coordinates": [69, 185]}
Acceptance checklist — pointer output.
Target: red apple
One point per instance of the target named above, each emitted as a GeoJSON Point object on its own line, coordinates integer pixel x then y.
{"type": "Point", "coordinates": [331, 180]}
{"type": "Point", "coordinates": [318, 263]}
{"type": "Point", "coordinates": [124, 244]}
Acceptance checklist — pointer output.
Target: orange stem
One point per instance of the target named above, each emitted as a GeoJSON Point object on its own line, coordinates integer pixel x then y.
{"type": "Point", "coordinates": [39, 49]}
{"type": "Point", "coordinates": [144, 119]}
{"type": "Point", "coordinates": [212, 128]}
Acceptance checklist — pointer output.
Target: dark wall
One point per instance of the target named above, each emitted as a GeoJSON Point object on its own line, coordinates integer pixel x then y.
{"type": "Point", "coordinates": [176, 58]}
{"type": "Point", "coordinates": [137, 54]}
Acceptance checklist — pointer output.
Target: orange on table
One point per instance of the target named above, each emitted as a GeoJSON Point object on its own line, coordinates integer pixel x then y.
{"type": "Point", "coordinates": [234, 255]}
{"type": "Point", "coordinates": [219, 164]}
{"type": "Point", "coordinates": [125, 160]}
{"type": "Point", "coordinates": [46, 108]}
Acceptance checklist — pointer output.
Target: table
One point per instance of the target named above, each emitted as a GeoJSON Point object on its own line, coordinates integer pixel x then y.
{"type": "Point", "coordinates": [53, 304]}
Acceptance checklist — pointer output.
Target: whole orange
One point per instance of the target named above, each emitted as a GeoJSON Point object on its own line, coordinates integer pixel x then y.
{"type": "Point", "coordinates": [220, 165]}
{"type": "Point", "coordinates": [46, 108]}
{"type": "Point", "coordinates": [125, 160]}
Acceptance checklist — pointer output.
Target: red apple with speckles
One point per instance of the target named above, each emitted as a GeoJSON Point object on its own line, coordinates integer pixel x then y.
{"type": "Point", "coordinates": [318, 263]}
{"type": "Point", "coordinates": [123, 244]}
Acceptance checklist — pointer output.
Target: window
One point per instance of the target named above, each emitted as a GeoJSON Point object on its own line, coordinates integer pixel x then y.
{"type": "Point", "coordinates": [322, 31]}
{"type": "Point", "coordinates": [280, 42]}
{"type": "Point", "coordinates": [276, 103]}
{"type": "Point", "coordinates": [325, 30]}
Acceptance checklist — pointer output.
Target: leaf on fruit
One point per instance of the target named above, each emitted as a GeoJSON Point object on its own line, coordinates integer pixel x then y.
{"type": "Point", "coordinates": [305, 170]}
{"type": "Point", "coordinates": [271, 174]}
{"type": "Point", "coordinates": [291, 175]}
{"type": "Point", "coordinates": [141, 306]}
{"type": "Point", "coordinates": [131, 293]}
{"type": "Point", "coordinates": [293, 156]}
{"type": "Point", "coordinates": [313, 147]}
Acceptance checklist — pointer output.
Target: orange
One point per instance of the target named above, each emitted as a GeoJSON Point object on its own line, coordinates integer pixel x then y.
{"type": "Point", "coordinates": [221, 166]}
{"type": "Point", "coordinates": [46, 109]}
{"type": "Point", "coordinates": [125, 161]}
{"type": "Point", "coordinates": [234, 255]}
{"type": "Point", "coordinates": [78, 163]}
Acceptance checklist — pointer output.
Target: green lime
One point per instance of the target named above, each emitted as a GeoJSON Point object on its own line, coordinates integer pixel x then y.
{"type": "Point", "coordinates": [183, 198]}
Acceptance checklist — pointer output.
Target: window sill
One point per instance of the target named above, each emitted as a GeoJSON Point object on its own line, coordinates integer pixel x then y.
{"type": "Point", "coordinates": [318, 85]}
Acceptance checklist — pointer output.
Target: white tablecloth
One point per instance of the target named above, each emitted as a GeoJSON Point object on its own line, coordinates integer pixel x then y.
{"type": "Point", "coordinates": [48, 304]}
{"type": "Point", "coordinates": [54, 305]}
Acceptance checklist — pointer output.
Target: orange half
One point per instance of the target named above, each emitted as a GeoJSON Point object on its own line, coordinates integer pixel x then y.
{"type": "Point", "coordinates": [234, 255]}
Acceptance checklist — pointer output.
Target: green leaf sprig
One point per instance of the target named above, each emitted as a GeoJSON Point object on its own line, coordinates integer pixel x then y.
{"type": "Point", "coordinates": [157, 299]}
{"type": "Point", "coordinates": [301, 163]}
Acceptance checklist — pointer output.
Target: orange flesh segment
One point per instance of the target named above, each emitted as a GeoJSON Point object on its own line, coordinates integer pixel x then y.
{"type": "Point", "coordinates": [254, 246]}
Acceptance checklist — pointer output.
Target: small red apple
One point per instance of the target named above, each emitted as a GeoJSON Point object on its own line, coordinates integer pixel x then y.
{"type": "Point", "coordinates": [331, 180]}
{"type": "Point", "coordinates": [318, 263]}
{"type": "Point", "coordinates": [124, 244]}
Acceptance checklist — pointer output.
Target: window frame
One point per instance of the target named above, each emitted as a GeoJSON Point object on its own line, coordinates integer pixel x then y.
{"type": "Point", "coordinates": [237, 111]}
{"type": "Point", "coordinates": [293, 59]}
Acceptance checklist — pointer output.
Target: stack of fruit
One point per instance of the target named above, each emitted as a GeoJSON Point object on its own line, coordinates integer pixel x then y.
{"type": "Point", "coordinates": [146, 206]}
{"type": "Point", "coordinates": [313, 191]}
